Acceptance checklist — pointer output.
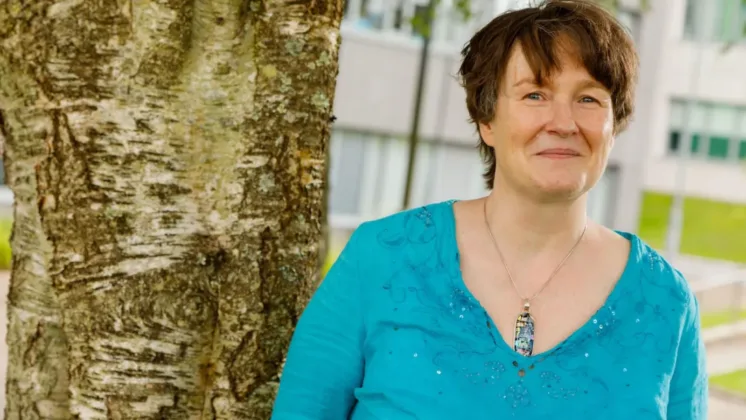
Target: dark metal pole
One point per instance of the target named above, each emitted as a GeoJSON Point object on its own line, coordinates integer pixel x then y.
{"type": "Point", "coordinates": [414, 133]}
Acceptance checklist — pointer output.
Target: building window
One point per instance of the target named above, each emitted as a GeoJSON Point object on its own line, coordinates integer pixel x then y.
{"type": "Point", "coordinates": [735, 16]}
{"type": "Point", "coordinates": [689, 19]}
{"type": "Point", "coordinates": [718, 20]}
{"type": "Point", "coordinates": [674, 142]}
{"type": "Point", "coordinates": [449, 26]}
{"type": "Point", "coordinates": [716, 130]}
{"type": "Point", "coordinates": [719, 147]}
{"type": "Point", "coordinates": [631, 20]}
{"type": "Point", "coordinates": [368, 171]}
{"type": "Point", "coordinates": [743, 19]}
{"type": "Point", "coordinates": [346, 173]}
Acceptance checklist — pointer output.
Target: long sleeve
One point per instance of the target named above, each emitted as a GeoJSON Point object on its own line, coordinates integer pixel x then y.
{"type": "Point", "coordinates": [689, 386]}
{"type": "Point", "coordinates": [325, 362]}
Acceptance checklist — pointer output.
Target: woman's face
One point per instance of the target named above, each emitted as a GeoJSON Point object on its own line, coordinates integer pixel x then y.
{"type": "Point", "coordinates": [551, 142]}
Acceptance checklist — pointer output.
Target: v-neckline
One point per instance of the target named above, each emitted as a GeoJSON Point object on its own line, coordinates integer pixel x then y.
{"type": "Point", "coordinates": [588, 325]}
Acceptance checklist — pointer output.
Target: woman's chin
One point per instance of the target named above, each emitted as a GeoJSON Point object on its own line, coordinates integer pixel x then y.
{"type": "Point", "coordinates": [558, 189]}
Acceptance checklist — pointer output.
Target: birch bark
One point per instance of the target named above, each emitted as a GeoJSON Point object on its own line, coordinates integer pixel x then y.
{"type": "Point", "coordinates": [167, 159]}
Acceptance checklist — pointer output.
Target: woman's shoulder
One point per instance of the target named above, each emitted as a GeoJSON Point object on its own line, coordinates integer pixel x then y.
{"type": "Point", "coordinates": [660, 280]}
{"type": "Point", "coordinates": [434, 217]}
{"type": "Point", "coordinates": [416, 231]}
{"type": "Point", "coordinates": [656, 265]}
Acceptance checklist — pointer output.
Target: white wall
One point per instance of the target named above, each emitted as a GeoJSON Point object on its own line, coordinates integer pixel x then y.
{"type": "Point", "coordinates": [377, 81]}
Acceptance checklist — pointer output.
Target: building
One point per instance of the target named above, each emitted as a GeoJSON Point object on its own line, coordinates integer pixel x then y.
{"type": "Point", "coordinates": [374, 103]}
{"type": "Point", "coordinates": [711, 68]}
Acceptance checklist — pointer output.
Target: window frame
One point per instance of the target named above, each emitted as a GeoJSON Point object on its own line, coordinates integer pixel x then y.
{"type": "Point", "coordinates": [702, 137]}
{"type": "Point", "coordinates": [719, 12]}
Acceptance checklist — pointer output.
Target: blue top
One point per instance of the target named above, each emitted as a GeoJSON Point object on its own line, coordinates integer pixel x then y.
{"type": "Point", "coordinates": [393, 333]}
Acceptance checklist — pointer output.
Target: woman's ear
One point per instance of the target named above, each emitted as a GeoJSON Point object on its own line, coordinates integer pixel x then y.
{"type": "Point", "coordinates": [486, 132]}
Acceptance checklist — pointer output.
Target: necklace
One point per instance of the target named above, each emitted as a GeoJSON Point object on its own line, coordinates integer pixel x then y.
{"type": "Point", "coordinates": [523, 339]}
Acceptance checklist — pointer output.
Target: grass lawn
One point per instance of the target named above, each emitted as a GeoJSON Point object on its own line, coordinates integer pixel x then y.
{"type": "Point", "coordinates": [714, 319]}
{"type": "Point", "coordinates": [734, 381]}
{"type": "Point", "coordinates": [711, 228]}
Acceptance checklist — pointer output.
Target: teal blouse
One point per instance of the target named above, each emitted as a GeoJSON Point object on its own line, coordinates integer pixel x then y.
{"type": "Point", "coordinates": [393, 333]}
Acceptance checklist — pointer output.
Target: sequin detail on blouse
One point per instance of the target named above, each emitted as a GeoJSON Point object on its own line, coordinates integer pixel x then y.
{"type": "Point", "coordinates": [394, 333]}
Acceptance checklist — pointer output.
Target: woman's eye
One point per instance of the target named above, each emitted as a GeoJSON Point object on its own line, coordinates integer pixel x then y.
{"type": "Point", "coordinates": [534, 96]}
{"type": "Point", "coordinates": [588, 100]}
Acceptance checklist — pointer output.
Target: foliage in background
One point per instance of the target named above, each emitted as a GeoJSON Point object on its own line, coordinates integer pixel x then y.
{"type": "Point", "coordinates": [712, 229]}
{"type": "Point", "coordinates": [714, 319]}
{"type": "Point", "coordinates": [734, 381]}
{"type": "Point", "coordinates": [331, 256]}
{"type": "Point", "coordinates": [463, 8]}
{"type": "Point", "coordinates": [6, 226]}
{"type": "Point", "coordinates": [420, 21]}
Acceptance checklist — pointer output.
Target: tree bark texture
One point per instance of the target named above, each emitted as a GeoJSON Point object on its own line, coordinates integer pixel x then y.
{"type": "Point", "coordinates": [168, 160]}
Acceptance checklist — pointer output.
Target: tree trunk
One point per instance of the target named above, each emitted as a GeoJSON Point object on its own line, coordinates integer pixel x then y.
{"type": "Point", "coordinates": [167, 159]}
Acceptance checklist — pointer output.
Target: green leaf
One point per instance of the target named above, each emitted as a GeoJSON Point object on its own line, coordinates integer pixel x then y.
{"type": "Point", "coordinates": [464, 8]}
{"type": "Point", "coordinates": [421, 24]}
{"type": "Point", "coordinates": [421, 21]}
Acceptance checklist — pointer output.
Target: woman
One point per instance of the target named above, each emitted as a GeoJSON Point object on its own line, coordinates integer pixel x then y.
{"type": "Point", "coordinates": [514, 305]}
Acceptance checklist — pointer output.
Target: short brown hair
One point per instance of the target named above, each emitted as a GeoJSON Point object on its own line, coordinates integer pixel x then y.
{"type": "Point", "coordinates": [600, 42]}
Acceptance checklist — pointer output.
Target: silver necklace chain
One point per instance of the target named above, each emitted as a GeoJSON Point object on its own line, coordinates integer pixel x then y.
{"type": "Point", "coordinates": [505, 265]}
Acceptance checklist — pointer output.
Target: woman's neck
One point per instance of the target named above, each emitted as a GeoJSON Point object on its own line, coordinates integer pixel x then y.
{"type": "Point", "coordinates": [530, 228]}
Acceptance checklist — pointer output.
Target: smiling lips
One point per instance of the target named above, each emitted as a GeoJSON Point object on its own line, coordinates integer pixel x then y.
{"type": "Point", "coordinates": [559, 153]}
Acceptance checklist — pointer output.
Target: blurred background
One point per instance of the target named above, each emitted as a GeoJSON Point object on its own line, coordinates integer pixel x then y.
{"type": "Point", "coordinates": [677, 176]}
